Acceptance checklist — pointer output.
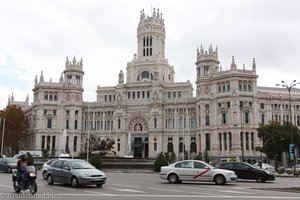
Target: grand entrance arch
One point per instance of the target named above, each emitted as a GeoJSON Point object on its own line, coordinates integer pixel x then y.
{"type": "Point", "coordinates": [138, 129]}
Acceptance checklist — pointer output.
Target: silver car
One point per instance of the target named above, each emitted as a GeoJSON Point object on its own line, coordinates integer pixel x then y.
{"type": "Point", "coordinates": [195, 170]}
{"type": "Point", "coordinates": [75, 172]}
{"type": "Point", "coordinates": [45, 168]}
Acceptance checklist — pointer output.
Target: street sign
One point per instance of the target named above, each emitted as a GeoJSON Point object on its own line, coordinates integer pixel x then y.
{"type": "Point", "coordinates": [292, 151]}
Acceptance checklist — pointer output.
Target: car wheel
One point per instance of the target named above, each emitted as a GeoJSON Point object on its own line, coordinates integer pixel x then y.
{"type": "Point", "coordinates": [173, 178]}
{"type": "Point", "coordinates": [74, 182]}
{"type": "Point", "coordinates": [260, 178]}
{"type": "Point", "coordinates": [50, 180]}
{"type": "Point", "coordinates": [99, 185]}
{"type": "Point", "coordinates": [219, 180]}
{"type": "Point", "coordinates": [45, 175]}
{"type": "Point", "coordinates": [9, 170]}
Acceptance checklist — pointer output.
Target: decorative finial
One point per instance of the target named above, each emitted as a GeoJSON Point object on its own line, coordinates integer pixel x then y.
{"type": "Point", "coordinates": [254, 65]}
{"type": "Point", "coordinates": [233, 65]}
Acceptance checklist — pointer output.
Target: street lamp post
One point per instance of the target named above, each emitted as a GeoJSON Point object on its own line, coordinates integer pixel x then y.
{"type": "Point", "coordinates": [242, 135]}
{"type": "Point", "coordinates": [289, 88]}
{"type": "Point", "coordinates": [2, 135]}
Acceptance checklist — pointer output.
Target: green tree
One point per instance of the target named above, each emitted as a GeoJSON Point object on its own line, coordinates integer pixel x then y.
{"type": "Point", "coordinates": [15, 127]}
{"type": "Point", "coordinates": [199, 156]}
{"type": "Point", "coordinates": [96, 161]}
{"type": "Point", "coordinates": [45, 153]}
{"type": "Point", "coordinates": [159, 162]}
{"type": "Point", "coordinates": [276, 138]}
{"type": "Point", "coordinates": [206, 157]}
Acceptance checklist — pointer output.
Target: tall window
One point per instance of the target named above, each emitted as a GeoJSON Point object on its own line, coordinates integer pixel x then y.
{"type": "Point", "coordinates": [155, 123]}
{"type": "Point", "coordinates": [43, 142]}
{"type": "Point", "coordinates": [181, 147]}
{"type": "Point", "coordinates": [53, 142]}
{"type": "Point", "coordinates": [49, 123]}
{"type": "Point", "coordinates": [75, 144]}
{"type": "Point", "coordinates": [247, 120]}
{"type": "Point", "coordinates": [207, 120]}
{"type": "Point", "coordinates": [75, 124]}
{"type": "Point", "coordinates": [119, 123]}
{"type": "Point", "coordinates": [207, 141]}
{"type": "Point", "coordinates": [224, 117]}
{"type": "Point", "coordinates": [67, 124]}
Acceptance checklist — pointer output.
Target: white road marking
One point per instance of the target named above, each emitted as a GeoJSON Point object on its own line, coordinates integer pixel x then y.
{"type": "Point", "coordinates": [161, 189]}
{"type": "Point", "coordinates": [102, 193]}
{"type": "Point", "coordinates": [63, 188]}
{"type": "Point", "coordinates": [6, 186]}
{"type": "Point", "coordinates": [203, 193]}
{"type": "Point", "coordinates": [233, 191]}
{"type": "Point", "coordinates": [125, 190]}
{"type": "Point", "coordinates": [134, 186]}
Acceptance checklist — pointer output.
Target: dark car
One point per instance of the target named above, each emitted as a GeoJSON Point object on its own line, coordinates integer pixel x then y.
{"type": "Point", "coordinates": [245, 170]}
{"type": "Point", "coordinates": [75, 172]}
{"type": "Point", "coordinates": [8, 164]}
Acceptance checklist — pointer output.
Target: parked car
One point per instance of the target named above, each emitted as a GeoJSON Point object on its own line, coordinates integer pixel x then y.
{"type": "Point", "coordinates": [265, 166]}
{"type": "Point", "coordinates": [244, 170]}
{"type": "Point", "coordinates": [8, 164]}
{"type": "Point", "coordinates": [195, 170]}
{"type": "Point", "coordinates": [291, 169]}
{"type": "Point", "coordinates": [75, 172]}
{"type": "Point", "coordinates": [46, 167]}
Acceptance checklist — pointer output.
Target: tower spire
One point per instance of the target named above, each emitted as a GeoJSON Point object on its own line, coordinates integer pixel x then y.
{"type": "Point", "coordinates": [233, 65]}
{"type": "Point", "coordinates": [254, 65]}
{"type": "Point", "coordinates": [42, 77]}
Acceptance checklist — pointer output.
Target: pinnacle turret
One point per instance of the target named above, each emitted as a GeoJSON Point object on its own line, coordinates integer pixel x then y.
{"type": "Point", "coordinates": [155, 18]}
{"type": "Point", "coordinates": [211, 54]}
{"type": "Point", "coordinates": [41, 77]}
{"type": "Point", "coordinates": [233, 65]}
{"type": "Point", "coordinates": [74, 63]}
{"type": "Point", "coordinates": [254, 65]}
{"type": "Point", "coordinates": [35, 80]}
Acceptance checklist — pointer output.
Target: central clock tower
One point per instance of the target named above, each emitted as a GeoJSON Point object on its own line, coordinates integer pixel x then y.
{"type": "Point", "coordinates": [150, 64]}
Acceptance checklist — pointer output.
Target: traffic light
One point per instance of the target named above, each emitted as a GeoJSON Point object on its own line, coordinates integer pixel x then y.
{"type": "Point", "coordinates": [292, 151]}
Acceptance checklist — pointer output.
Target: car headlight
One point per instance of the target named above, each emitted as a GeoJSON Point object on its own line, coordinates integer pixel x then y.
{"type": "Point", "coordinates": [268, 172]}
{"type": "Point", "coordinates": [32, 174]}
{"type": "Point", "coordinates": [84, 174]}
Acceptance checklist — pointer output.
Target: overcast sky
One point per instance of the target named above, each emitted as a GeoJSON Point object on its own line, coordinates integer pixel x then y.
{"type": "Point", "coordinates": [38, 35]}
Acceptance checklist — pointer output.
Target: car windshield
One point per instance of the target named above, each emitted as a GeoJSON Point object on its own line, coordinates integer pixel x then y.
{"type": "Point", "coordinates": [78, 164]}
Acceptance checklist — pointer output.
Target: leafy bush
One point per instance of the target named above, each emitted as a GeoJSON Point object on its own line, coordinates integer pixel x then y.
{"type": "Point", "coordinates": [30, 159]}
{"type": "Point", "coordinates": [45, 153]}
{"type": "Point", "coordinates": [159, 162]}
{"type": "Point", "coordinates": [96, 161]}
{"type": "Point", "coordinates": [199, 156]}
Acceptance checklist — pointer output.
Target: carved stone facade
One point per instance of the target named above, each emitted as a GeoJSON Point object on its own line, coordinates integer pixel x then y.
{"type": "Point", "coordinates": [160, 114]}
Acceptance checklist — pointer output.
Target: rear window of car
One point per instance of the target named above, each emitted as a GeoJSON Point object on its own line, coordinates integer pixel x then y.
{"type": "Point", "coordinates": [185, 164]}
{"type": "Point", "coordinates": [58, 164]}
{"type": "Point", "coordinates": [227, 165]}
{"type": "Point", "coordinates": [199, 165]}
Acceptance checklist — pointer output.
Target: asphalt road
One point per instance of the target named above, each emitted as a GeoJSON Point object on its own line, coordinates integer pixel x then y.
{"type": "Point", "coordinates": [146, 186]}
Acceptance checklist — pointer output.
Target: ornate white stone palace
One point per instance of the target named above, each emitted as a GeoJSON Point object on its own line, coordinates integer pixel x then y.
{"type": "Point", "coordinates": [160, 114]}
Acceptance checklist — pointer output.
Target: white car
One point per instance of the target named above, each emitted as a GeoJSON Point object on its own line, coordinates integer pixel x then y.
{"type": "Point", "coordinates": [265, 166]}
{"type": "Point", "coordinates": [196, 170]}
